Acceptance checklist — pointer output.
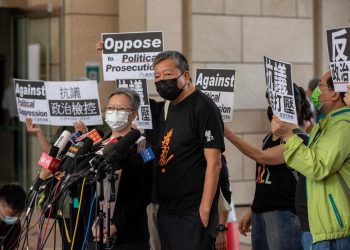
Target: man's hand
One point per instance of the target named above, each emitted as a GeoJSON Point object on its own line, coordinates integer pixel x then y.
{"type": "Point", "coordinates": [112, 231]}
{"type": "Point", "coordinates": [204, 215]}
{"type": "Point", "coordinates": [32, 128]}
{"type": "Point", "coordinates": [99, 46]}
{"type": "Point", "coordinates": [80, 126]}
{"type": "Point", "coordinates": [245, 223]}
{"type": "Point", "coordinates": [220, 243]}
{"type": "Point", "coordinates": [347, 96]}
{"type": "Point", "coordinates": [282, 129]}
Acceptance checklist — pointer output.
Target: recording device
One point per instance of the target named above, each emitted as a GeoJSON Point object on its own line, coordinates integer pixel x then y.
{"type": "Point", "coordinates": [72, 140]}
{"type": "Point", "coordinates": [86, 143]}
{"type": "Point", "coordinates": [48, 162]}
{"type": "Point", "coordinates": [120, 149]}
{"type": "Point", "coordinates": [74, 151]}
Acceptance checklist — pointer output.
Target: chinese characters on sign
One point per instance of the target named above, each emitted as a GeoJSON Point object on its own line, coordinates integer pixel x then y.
{"type": "Point", "coordinates": [58, 103]}
{"type": "Point", "coordinates": [144, 119]}
{"type": "Point", "coordinates": [339, 57]}
{"type": "Point", "coordinates": [280, 89]}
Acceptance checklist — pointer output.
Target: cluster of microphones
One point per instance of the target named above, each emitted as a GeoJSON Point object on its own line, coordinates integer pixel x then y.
{"type": "Point", "coordinates": [66, 155]}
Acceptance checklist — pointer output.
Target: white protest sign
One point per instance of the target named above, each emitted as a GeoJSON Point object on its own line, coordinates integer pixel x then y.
{"type": "Point", "coordinates": [130, 55]}
{"type": "Point", "coordinates": [280, 88]}
{"type": "Point", "coordinates": [31, 101]}
{"type": "Point", "coordinates": [339, 57]}
{"type": "Point", "coordinates": [71, 101]}
{"type": "Point", "coordinates": [144, 119]}
{"type": "Point", "coordinates": [218, 84]}
{"type": "Point", "coordinates": [62, 103]}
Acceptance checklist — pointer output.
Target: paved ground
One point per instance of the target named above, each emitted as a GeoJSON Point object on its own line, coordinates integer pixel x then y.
{"type": "Point", "coordinates": [245, 243]}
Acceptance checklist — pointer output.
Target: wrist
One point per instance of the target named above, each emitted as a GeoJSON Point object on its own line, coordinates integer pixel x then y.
{"type": "Point", "coordinates": [221, 228]}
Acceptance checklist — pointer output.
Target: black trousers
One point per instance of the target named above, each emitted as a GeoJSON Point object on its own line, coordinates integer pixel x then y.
{"type": "Point", "coordinates": [185, 232]}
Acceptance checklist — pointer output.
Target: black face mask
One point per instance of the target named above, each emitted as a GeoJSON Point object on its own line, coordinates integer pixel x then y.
{"type": "Point", "coordinates": [269, 113]}
{"type": "Point", "coordinates": [168, 89]}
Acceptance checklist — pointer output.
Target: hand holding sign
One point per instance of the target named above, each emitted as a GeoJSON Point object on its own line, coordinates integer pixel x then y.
{"type": "Point", "coordinates": [32, 128]}
{"type": "Point", "coordinates": [99, 46]}
{"type": "Point", "coordinates": [282, 129]}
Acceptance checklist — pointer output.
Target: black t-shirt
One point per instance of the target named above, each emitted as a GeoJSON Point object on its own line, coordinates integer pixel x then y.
{"type": "Point", "coordinates": [300, 196]}
{"type": "Point", "coordinates": [275, 185]}
{"type": "Point", "coordinates": [191, 126]}
{"type": "Point", "coordinates": [301, 203]}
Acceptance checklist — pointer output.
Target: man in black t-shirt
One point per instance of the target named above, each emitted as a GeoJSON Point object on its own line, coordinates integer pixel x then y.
{"type": "Point", "coordinates": [190, 161]}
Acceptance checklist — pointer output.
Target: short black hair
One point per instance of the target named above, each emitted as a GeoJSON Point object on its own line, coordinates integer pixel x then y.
{"type": "Point", "coordinates": [180, 60]}
{"type": "Point", "coordinates": [14, 196]}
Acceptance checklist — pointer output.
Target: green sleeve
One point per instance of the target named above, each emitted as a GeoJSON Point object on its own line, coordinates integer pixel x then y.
{"type": "Point", "coordinates": [323, 157]}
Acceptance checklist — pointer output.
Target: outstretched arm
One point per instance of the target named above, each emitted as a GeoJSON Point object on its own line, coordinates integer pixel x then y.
{"type": "Point", "coordinates": [271, 156]}
{"type": "Point", "coordinates": [35, 130]}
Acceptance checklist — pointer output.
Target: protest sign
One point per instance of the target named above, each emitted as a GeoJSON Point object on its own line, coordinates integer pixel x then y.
{"type": "Point", "coordinates": [31, 101]}
{"type": "Point", "coordinates": [339, 57]}
{"type": "Point", "coordinates": [144, 119]}
{"type": "Point", "coordinates": [58, 103]}
{"type": "Point", "coordinates": [218, 84]}
{"type": "Point", "coordinates": [280, 89]}
{"type": "Point", "coordinates": [130, 55]}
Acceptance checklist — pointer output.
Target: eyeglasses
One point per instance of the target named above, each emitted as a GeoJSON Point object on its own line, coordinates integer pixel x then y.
{"type": "Point", "coordinates": [111, 109]}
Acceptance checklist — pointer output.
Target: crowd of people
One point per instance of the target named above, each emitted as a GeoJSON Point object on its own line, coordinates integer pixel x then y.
{"type": "Point", "coordinates": [302, 196]}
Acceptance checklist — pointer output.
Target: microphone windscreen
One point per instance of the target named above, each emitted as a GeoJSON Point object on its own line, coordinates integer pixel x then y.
{"type": "Point", "coordinates": [62, 141]}
{"type": "Point", "coordinates": [53, 151]}
{"type": "Point", "coordinates": [127, 141]}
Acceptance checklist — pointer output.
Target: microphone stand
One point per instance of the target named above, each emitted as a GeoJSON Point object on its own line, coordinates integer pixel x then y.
{"type": "Point", "coordinates": [111, 178]}
{"type": "Point", "coordinates": [100, 175]}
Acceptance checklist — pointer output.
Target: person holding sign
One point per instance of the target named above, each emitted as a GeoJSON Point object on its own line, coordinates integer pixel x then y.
{"type": "Point", "coordinates": [278, 195]}
{"type": "Point", "coordinates": [190, 161]}
{"type": "Point", "coordinates": [326, 165]}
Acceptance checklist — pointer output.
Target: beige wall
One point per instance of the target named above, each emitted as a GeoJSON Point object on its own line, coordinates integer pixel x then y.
{"type": "Point", "coordinates": [233, 34]}
{"type": "Point", "coordinates": [236, 35]}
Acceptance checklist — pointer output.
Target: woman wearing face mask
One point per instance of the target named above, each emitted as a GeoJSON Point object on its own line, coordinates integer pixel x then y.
{"type": "Point", "coordinates": [278, 196]}
{"type": "Point", "coordinates": [12, 202]}
{"type": "Point", "coordinates": [129, 221]}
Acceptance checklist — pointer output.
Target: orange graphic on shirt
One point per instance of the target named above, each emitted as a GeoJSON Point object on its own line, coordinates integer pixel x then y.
{"type": "Point", "coordinates": [164, 158]}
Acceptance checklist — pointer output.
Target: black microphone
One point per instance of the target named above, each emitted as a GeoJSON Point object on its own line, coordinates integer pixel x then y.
{"type": "Point", "coordinates": [72, 140]}
{"type": "Point", "coordinates": [48, 162]}
{"type": "Point", "coordinates": [107, 150]}
{"type": "Point", "coordinates": [76, 150]}
{"type": "Point", "coordinates": [120, 149]}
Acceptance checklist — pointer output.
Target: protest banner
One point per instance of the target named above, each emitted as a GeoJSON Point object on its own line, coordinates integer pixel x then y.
{"type": "Point", "coordinates": [130, 55]}
{"type": "Point", "coordinates": [339, 57]}
{"type": "Point", "coordinates": [280, 89]}
{"type": "Point", "coordinates": [144, 119]}
{"type": "Point", "coordinates": [218, 84]}
{"type": "Point", "coordinates": [58, 103]}
{"type": "Point", "coordinates": [31, 101]}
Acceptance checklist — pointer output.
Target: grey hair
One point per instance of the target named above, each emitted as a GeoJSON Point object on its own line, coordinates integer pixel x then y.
{"type": "Point", "coordinates": [133, 96]}
{"type": "Point", "coordinates": [180, 60]}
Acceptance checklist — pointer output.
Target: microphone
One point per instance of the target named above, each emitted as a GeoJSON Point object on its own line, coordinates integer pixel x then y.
{"type": "Point", "coordinates": [72, 140]}
{"type": "Point", "coordinates": [74, 151]}
{"type": "Point", "coordinates": [48, 162]}
{"type": "Point", "coordinates": [120, 148]}
{"type": "Point", "coordinates": [101, 154]}
{"type": "Point", "coordinates": [62, 141]}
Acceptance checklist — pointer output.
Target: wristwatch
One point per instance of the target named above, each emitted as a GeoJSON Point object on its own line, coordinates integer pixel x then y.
{"type": "Point", "coordinates": [221, 228]}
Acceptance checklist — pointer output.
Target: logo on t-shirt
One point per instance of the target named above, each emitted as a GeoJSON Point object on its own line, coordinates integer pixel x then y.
{"type": "Point", "coordinates": [164, 158]}
{"type": "Point", "coordinates": [208, 135]}
{"type": "Point", "coordinates": [263, 175]}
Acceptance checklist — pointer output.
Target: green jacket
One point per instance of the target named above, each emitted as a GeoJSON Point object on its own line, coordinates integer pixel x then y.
{"type": "Point", "coordinates": [327, 155]}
